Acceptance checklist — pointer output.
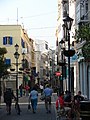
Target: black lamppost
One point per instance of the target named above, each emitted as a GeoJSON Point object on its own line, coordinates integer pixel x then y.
{"type": "Point", "coordinates": [23, 65]}
{"type": "Point", "coordinates": [62, 63]}
{"type": "Point", "coordinates": [16, 55]}
{"type": "Point", "coordinates": [68, 23]}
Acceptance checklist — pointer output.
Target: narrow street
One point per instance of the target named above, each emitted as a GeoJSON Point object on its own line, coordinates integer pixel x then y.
{"type": "Point", "coordinates": [27, 114]}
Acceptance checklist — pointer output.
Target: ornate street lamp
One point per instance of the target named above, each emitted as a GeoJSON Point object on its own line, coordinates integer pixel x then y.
{"type": "Point", "coordinates": [68, 22]}
{"type": "Point", "coordinates": [23, 65]}
{"type": "Point", "coordinates": [62, 62]}
{"type": "Point", "coordinates": [16, 47]}
{"type": "Point", "coordinates": [16, 55]}
{"type": "Point", "coordinates": [68, 53]}
{"type": "Point", "coordinates": [62, 41]}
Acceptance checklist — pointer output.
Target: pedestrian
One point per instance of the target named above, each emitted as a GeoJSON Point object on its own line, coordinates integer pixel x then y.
{"type": "Point", "coordinates": [34, 99]}
{"type": "Point", "coordinates": [77, 99]}
{"type": "Point", "coordinates": [27, 88]}
{"type": "Point", "coordinates": [68, 97]}
{"type": "Point", "coordinates": [41, 88]}
{"type": "Point", "coordinates": [21, 90]}
{"type": "Point", "coordinates": [61, 101]}
{"type": "Point", "coordinates": [75, 108]}
{"type": "Point", "coordinates": [8, 96]}
{"type": "Point", "coordinates": [48, 93]}
{"type": "Point", "coordinates": [61, 105]}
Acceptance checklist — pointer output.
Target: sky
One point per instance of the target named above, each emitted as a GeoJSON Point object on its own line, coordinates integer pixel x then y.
{"type": "Point", "coordinates": [38, 17]}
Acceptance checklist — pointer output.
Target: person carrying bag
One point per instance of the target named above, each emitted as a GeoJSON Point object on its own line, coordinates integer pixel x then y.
{"type": "Point", "coordinates": [34, 99]}
{"type": "Point", "coordinates": [48, 93]}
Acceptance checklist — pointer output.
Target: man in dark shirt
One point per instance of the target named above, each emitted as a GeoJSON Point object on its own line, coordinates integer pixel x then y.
{"type": "Point", "coordinates": [8, 96]}
{"type": "Point", "coordinates": [75, 110]}
{"type": "Point", "coordinates": [67, 97]}
{"type": "Point", "coordinates": [78, 97]}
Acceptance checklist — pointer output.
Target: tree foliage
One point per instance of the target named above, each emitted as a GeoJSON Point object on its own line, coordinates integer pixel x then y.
{"type": "Point", "coordinates": [3, 66]}
{"type": "Point", "coordinates": [3, 51]}
{"type": "Point", "coordinates": [86, 50]}
{"type": "Point", "coordinates": [83, 33]}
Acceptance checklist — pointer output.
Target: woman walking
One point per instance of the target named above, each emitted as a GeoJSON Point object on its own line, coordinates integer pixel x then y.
{"type": "Point", "coordinates": [34, 99]}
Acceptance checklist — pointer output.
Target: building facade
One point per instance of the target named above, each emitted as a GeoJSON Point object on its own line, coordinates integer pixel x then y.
{"type": "Point", "coordinates": [80, 65]}
{"type": "Point", "coordinates": [41, 47]}
{"type": "Point", "coordinates": [83, 17]}
{"type": "Point", "coordinates": [65, 7]}
{"type": "Point", "coordinates": [11, 35]}
{"type": "Point", "coordinates": [45, 60]}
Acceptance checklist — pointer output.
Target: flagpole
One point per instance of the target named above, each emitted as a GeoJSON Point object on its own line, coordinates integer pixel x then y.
{"type": "Point", "coordinates": [17, 16]}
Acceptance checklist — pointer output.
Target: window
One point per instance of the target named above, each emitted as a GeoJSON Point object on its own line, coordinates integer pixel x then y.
{"type": "Point", "coordinates": [7, 40]}
{"type": "Point", "coordinates": [86, 11]}
{"type": "Point", "coordinates": [22, 43]}
{"type": "Point", "coordinates": [8, 61]}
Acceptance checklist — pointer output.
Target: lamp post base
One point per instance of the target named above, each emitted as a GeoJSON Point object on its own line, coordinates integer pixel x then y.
{"type": "Point", "coordinates": [17, 107]}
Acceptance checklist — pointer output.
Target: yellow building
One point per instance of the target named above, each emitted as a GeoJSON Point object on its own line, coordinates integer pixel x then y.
{"type": "Point", "coordinates": [9, 36]}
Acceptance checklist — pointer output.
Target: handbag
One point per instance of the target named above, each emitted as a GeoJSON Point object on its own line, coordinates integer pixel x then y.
{"type": "Point", "coordinates": [42, 97]}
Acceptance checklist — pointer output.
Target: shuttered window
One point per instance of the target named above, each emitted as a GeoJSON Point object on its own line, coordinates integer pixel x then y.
{"type": "Point", "coordinates": [22, 43]}
{"type": "Point", "coordinates": [7, 40]}
{"type": "Point", "coordinates": [8, 61]}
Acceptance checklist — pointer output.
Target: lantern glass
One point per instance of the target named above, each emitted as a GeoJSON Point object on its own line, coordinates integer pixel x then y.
{"type": "Point", "coordinates": [68, 22]}
{"type": "Point", "coordinates": [16, 47]}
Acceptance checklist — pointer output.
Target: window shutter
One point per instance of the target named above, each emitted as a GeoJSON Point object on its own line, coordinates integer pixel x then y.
{"type": "Point", "coordinates": [11, 41]}
{"type": "Point", "coordinates": [4, 40]}
{"type": "Point", "coordinates": [22, 43]}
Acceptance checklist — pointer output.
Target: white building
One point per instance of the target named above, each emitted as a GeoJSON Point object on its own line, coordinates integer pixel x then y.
{"type": "Point", "coordinates": [41, 47]}
{"type": "Point", "coordinates": [45, 59]}
{"type": "Point", "coordinates": [66, 7]}
{"type": "Point", "coordinates": [83, 16]}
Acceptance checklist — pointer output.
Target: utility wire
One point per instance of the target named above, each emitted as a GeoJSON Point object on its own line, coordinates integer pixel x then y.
{"type": "Point", "coordinates": [42, 28]}
{"type": "Point", "coordinates": [38, 15]}
{"type": "Point", "coordinates": [28, 17]}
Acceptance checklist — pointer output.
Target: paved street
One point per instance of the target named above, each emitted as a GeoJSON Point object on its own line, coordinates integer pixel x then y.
{"type": "Point", "coordinates": [27, 114]}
